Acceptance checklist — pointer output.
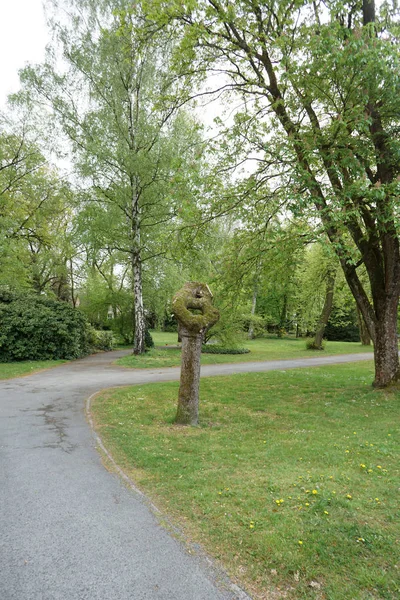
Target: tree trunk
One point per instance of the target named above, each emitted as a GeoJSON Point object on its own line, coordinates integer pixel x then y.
{"type": "Point", "coordinates": [326, 311]}
{"type": "Point", "coordinates": [136, 259]}
{"type": "Point", "coordinates": [283, 317]}
{"type": "Point", "coordinates": [139, 336]}
{"type": "Point", "coordinates": [386, 348]}
{"type": "Point", "coordinates": [364, 333]}
{"type": "Point", "coordinates": [188, 399]}
{"type": "Point", "coordinates": [250, 334]}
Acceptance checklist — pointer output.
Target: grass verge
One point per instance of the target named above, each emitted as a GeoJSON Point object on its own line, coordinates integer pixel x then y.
{"type": "Point", "coordinates": [26, 367]}
{"type": "Point", "coordinates": [260, 350]}
{"type": "Point", "coordinates": [290, 481]}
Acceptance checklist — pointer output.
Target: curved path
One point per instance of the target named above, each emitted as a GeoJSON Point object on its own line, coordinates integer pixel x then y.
{"type": "Point", "coordinates": [69, 529]}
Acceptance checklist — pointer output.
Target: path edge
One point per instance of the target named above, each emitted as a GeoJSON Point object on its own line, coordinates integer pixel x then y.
{"type": "Point", "coordinates": [220, 578]}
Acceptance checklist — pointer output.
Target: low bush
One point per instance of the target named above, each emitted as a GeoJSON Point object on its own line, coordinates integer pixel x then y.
{"type": "Point", "coordinates": [37, 328]}
{"type": "Point", "coordinates": [148, 340]}
{"type": "Point", "coordinates": [100, 339]}
{"type": "Point", "coordinates": [216, 349]}
{"type": "Point", "coordinates": [310, 345]}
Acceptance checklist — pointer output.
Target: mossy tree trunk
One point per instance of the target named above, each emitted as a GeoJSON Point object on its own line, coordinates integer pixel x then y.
{"type": "Point", "coordinates": [188, 398]}
{"type": "Point", "coordinates": [192, 299]}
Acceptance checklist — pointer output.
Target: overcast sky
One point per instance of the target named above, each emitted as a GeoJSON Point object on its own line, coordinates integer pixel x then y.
{"type": "Point", "coordinates": [23, 37]}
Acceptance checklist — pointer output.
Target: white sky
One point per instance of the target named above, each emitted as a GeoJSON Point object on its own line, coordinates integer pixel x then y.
{"type": "Point", "coordinates": [23, 37]}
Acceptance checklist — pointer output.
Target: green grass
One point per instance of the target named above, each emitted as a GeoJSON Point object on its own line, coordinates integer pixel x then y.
{"type": "Point", "coordinates": [291, 480]}
{"type": "Point", "coordinates": [260, 350]}
{"type": "Point", "coordinates": [26, 367]}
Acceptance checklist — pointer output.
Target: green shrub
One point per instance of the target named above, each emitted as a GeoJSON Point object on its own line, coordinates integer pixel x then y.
{"type": "Point", "coordinates": [257, 322]}
{"type": "Point", "coordinates": [342, 327]}
{"type": "Point", "coordinates": [37, 328]}
{"type": "Point", "coordinates": [216, 349]}
{"type": "Point", "coordinates": [148, 340]}
{"type": "Point", "coordinates": [99, 339]}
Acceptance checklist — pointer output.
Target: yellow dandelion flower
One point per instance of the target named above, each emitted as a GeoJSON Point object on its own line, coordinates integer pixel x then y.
{"type": "Point", "coordinates": [362, 466]}
{"type": "Point", "coordinates": [314, 492]}
{"type": "Point", "coordinates": [378, 467]}
{"type": "Point", "coordinates": [349, 496]}
{"type": "Point", "coordinates": [307, 504]}
{"type": "Point", "coordinates": [300, 543]}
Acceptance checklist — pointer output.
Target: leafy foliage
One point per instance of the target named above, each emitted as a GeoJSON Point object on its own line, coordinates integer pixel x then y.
{"type": "Point", "coordinates": [342, 327]}
{"type": "Point", "coordinates": [37, 328]}
{"type": "Point", "coordinates": [100, 339]}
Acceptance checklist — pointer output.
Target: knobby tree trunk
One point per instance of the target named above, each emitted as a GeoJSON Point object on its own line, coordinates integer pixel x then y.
{"type": "Point", "coordinates": [194, 296]}
{"type": "Point", "coordinates": [326, 310]}
{"type": "Point", "coordinates": [365, 338]}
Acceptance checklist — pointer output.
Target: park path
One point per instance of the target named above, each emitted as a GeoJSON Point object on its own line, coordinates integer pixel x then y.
{"type": "Point", "coordinates": [71, 530]}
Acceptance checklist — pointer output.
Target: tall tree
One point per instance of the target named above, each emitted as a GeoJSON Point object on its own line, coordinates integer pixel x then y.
{"type": "Point", "coordinates": [320, 85]}
{"type": "Point", "coordinates": [127, 144]}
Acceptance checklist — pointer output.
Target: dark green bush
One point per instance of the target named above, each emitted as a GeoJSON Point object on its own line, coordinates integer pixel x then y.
{"type": "Point", "coordinates": [148, 340]}
{"type": "Point", "coordinates": [216, 349]}
{"type": "Point", "coordinates": [342, 327]}
{"type": "Point", "coordinates": [37, 328]}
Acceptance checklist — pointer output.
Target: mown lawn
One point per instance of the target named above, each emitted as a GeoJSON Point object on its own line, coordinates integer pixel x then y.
{"type": "Point", "coordinates": [26, 367]}
{"type": "Point", "coordinates": [291, 481]}
{"type": "Point", "coordinates": [260, 349]}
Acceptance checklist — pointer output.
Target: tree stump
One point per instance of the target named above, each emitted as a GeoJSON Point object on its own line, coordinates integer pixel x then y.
{"type": "Point", "coordinates": [193, 309]}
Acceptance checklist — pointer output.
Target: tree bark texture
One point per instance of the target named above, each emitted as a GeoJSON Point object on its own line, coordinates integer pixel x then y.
{"type": "Point", "coordinates": [188, 398]}
{"type": "Point", "coordinates": [139, 334]}
{"type": "Point", "coordinates": [139, 339]}
{"type": "Point", "coordinates": [386, 347]}
{"type": "Point", "coordinates": [326, 310]}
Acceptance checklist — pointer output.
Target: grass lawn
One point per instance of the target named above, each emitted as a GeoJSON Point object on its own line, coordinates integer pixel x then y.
{"type": "Point", "coordinates": [260, 349]}
{"type": "Point", "coordinates": [291, 481]}
{"type": "Point", "coordinates": [26, 367]}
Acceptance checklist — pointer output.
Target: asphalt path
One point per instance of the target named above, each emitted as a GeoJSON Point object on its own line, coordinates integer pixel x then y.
{"type": "Point", "coordinates": [69, 528]}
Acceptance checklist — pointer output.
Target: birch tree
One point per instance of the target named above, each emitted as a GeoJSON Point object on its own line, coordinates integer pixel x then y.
{"type": "Point", "coordinates": [105, 85]}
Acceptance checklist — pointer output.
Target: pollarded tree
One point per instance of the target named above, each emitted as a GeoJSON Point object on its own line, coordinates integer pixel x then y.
{"type": "Point", "coordinates": [320, 83]}
{"type": "Point", "coordinates": [108, 93]}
